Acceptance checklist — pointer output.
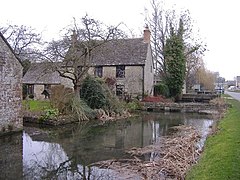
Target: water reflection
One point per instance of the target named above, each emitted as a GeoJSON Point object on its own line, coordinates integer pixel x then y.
{"type": "Point", "coordinates": [11, 166]}
{"type": "Point", "coordinates": [67, 152]}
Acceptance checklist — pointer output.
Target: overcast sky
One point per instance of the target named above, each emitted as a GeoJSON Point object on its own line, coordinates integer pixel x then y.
{"type": "Point", "coordinates": [217, 20]}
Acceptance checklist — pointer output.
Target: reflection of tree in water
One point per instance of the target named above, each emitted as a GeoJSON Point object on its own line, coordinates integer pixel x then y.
{"type": "Point", "coordinates": [52, 162]}
{"type": "Point", "coordinates": [65, 171]}
{"type": "Point", "coordinates": [48, 162]}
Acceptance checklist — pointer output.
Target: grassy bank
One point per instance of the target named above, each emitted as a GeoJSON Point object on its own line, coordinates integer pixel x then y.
{"type": "Point", "coordinates": [221, 157]}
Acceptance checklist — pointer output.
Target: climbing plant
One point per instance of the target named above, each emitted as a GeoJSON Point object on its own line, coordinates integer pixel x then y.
{"type": "Point", "coordinates": [175, 61]}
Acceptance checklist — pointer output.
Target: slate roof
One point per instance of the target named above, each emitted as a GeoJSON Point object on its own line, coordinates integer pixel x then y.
{"type": "Point", "coordinates": [117, 52]}
{"type": "Point", "coordinates": [41, 73]}
{"type": "Point", "coordinates": [121, 52]}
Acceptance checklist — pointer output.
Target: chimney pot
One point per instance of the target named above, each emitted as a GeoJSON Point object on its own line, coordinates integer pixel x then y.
{"type": "Point", "coordinates": [146, 34]}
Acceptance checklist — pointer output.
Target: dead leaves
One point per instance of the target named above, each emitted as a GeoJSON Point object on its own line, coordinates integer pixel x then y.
{"type": "Point", "coordinates": [171, 157]}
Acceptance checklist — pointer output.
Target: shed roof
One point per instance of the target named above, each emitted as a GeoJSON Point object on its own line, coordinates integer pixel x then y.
{"type": "Point", "coordinates": [41, 73]}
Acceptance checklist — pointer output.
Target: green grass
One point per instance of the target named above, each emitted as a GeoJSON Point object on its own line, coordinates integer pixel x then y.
{"type": "Point", "coordinates": [221, 157]}
{"type": "Point", "coordinates": [35, 105]}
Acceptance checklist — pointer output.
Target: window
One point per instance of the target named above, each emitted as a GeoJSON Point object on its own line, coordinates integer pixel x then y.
{"type": "Point", "coordinates": [30, 89]}
{"type": "Point", "coordinates": [46, 91]}
{"type": "Point", "coordinates": [98, 71]}
{"type": "Point", "coordinates": [120, 71]}
{"type": "Point", "coordinates": [119, 90]}
{"type": "Point", "coordinates": [47, 86]}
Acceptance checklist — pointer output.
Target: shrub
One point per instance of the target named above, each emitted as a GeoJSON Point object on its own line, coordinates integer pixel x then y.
{"type": "Point", "coordinates": [65, 101]}
{"type": "Point", "coordinates": [60, 97]}
{"type": "Point", "coordinates": [93, 93]}
{"type": "Point", "coordinates": [161, 89]}
{"type": "Point", "coordinates": [80, 110]}
{"type": "Point", "coordinates": [49, 114]}
{"type": "Point", "coordinates": [134, 105]}
{"type": "Point", "coordinates": [96, 93]}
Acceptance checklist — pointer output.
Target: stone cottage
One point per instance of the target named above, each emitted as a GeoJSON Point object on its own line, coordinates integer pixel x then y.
{"type": "Point", "coordinates": [128, 61]}
{"type": "Point", "coordinates": [41, 77]}
{"type": "Point", "coordinates": [10, 89]}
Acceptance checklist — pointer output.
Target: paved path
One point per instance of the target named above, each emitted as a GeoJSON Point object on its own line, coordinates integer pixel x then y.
{"type": "Point", "coordinates": [234, 95]}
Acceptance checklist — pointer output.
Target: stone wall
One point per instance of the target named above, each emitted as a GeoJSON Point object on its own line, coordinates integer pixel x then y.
{"type": "Point", "coordinates": [10, 90]}
{"type": "Point", "coordinates": [202, 108]}
{"type": "Point", "coordinates": [148, 73]}
{"type": "Point", "coordinates": [133, 78]}
{"type": "Point", "coordinates": [133, 81]}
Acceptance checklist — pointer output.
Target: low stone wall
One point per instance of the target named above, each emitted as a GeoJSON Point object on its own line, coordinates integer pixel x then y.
{"type": "Point", "coordinates": [182, 107]}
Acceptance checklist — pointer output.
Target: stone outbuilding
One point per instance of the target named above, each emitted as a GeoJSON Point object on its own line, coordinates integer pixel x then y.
{"type": "Point", "coordinates": [10, 89]}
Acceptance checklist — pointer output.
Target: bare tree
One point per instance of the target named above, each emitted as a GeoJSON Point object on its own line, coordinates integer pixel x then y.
{"type": "Point", "coordinates": [75, 50]}
{"type": "Point", "coordinates": [160, 22]}
{"type": "Point", "coordinates": [23, 40]}
{"type": "Point", "coordinates": [205, 78]}
{"type": "Point", "coordinates": [193, 64]}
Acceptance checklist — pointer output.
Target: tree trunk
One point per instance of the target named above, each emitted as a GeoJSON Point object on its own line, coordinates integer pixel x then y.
{"type": "Point", "coordinates": [77, 91]}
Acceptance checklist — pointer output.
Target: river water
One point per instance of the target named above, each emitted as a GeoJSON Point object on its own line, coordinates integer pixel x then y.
{"type": "Point", "coordinates": [66, 152]}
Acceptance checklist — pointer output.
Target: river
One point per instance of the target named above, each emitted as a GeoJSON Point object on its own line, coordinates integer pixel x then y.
{"type": "Point", "coordinates": [66, 152]}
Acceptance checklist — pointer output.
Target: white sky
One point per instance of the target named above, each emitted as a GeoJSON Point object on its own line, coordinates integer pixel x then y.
{"type": "Point", "coordinates": [217, 20]}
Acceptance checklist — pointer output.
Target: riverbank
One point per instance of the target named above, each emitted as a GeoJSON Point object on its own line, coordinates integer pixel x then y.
{"type": "Point", "coordinates": [221, 156]}
{"type": "Point", "coordinates": [34, 112]}
{"type": "Point", "coordinates": [35, 118]}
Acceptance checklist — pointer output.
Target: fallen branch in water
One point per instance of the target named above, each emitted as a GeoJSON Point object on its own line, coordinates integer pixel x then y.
{"type": "Point", "coordinates": [173, 156]}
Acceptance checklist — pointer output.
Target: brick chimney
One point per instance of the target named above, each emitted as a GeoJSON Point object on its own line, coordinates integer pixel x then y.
{"type": "Point", "coordinates": [146, 34]}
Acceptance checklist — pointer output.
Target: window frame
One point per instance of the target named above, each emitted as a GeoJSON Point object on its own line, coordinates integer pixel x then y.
{"type": "Point", "coordinates": [30, 89]}
{"type": "Point", "coordinates": [98, 72]}
{"type": "Point", "coordinates": [120, 71]}
{"type": "Point", "coordinates": [120, 89]}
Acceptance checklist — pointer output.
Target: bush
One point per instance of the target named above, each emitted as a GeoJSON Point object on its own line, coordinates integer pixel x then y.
{"type": "Point", "coordinates": [97, 95]}
{"type": "Point", "coordinates": [134, 105]}
{"type": "Point", "coordinates": [93, 93]}
{"type": "Point", "coordinates": [60, 97]}
{"type": "Point", "coordinates": [161, 89]}
{"type": "Point", "coordinates": [49, 114]}
{"type": "Point", "coordinates": [65, 101]}
{"type": "Point", "coordinates": [80, 110]}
